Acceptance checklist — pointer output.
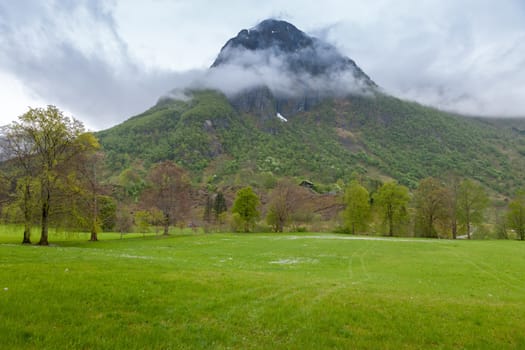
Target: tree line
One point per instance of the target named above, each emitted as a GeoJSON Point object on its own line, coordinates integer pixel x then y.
{"type": "Point", "coordinates": [54, 174]}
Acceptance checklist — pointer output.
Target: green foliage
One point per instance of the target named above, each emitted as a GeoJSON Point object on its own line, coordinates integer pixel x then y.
{"type": "Point", "coordinates": [43, 143]}
{"type": "Point", "coordinates": [366, 135]}
{"type": "Point", "coordinates": [471, 204]}
{"type": "Point", "coordinates": [516, 214]}
{"type": "Point", "coordinates": [392, 201]}
{"type": "Point", "coordinates": [431, 203]}
{"type": "Point", "coordinates": [357, 207]}
{"type": "Point", "coordinates": [143, 221]}
{"type": "Point", "coordinates": [172, 130]}
{"type": "Point", "coordinates": [132, 182]}
{"type": "Point", "coordinates": [245, 206]}
{"type": "Point", "coordinates": [107, 213]}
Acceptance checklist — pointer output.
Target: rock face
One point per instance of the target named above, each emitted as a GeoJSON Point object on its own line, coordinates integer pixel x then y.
{"type": "Point", "coordinates": [312, 68]}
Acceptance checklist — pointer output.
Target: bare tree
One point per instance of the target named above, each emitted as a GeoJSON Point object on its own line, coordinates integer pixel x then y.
{"type": "Point", "coordinates": [169, 191]}
{"type": "Point", "coordinates": [431, 199]}
{"type": "Point", "coordinates": [283, 204]}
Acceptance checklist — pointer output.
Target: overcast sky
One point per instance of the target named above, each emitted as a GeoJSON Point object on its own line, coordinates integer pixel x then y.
{"type": "Point", "coordinates": [103, 61]}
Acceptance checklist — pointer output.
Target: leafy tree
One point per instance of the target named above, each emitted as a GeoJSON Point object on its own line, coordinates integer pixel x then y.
{"type": "Point", "coordinates": [453, 184]}
{"type": "Point", "coordinates": [169, 191]}
{"type": "Point", "coordinates": [131, 182]}
{"type": "Point", "coordinates": [472, 201]}
{"type": "Point", "coordinates": [245, 207]}
{"type": "Point", "coordinates": [47, 140]}
{"type": "Point", "coordinates": [431, 199]}
{"type": "Point", "coordinates": [392, 199]}
{"type": "Point", "coordinates": [87, 167]}
{"type": "Point", "coordinates": [143, 220]}
{"type": "Point", "coordinates": [107, 212]}
{"type": "Point", "coordinates": [26, 198]}
{"type": "Point", "coordinates": [283, 203]}
{"type": "Point", "coordinates": [357, 210]}
{"type": "Point", "coordinates": [18, 150]}
{"type": "Point", "coordinates": [516, 214]}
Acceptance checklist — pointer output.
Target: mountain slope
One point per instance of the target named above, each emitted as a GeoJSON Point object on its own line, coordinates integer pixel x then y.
{"type": "Point", "coordinates": [374, 136]}
{"type": "Point", "coordinates": [331, 122]}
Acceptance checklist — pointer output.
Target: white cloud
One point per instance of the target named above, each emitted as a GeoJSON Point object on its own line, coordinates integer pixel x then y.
{"type": "Point", "coordinates": [107, 60]}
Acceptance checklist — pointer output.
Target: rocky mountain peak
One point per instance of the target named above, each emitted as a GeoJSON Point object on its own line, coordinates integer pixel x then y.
{"type": "Point", "coordinates": [269, 34]}
{"type": "Point", "coordinates": [276, 40]}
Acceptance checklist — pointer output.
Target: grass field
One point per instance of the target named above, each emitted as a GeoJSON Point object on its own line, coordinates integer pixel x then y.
{"type": "Point", "coordinates": [264, 291]}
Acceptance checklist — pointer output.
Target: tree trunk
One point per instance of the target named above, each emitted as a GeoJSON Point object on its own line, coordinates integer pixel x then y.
{"type": "Point", "coordinates": [27, 234]}
{"type": "Point", "coordinates": [390, 226]}
{"type": "Point", "coordinates": [430, 226]}
{"type": "Point", "coordinates": [166, 224]}
{"type": "Point", "coordinates": [468, 226]}
{"type": "Point", "coordinates": [94, 235]}
{"type": "Point", "coordinates": [27, 215]}
{"type": "Point", "coordinates": [45, 219]}
{"type": "Point", "coordinates": [454, 229]}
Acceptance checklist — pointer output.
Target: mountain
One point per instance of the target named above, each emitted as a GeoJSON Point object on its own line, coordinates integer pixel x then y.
{"type": "Point", "coordinates": [299, 52]}
{"type": "Point", "coordinates": [301, 70]}
{"type": "Point", "coordinates": [332, 122]}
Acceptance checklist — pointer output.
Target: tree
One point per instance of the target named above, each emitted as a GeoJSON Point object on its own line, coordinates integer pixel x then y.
{"type": "Point", "coordinates": [131, 182]}
{"type": "Point", "coordinates": [84, 181]}
{"type": "Point", "coordinates": [143, 220]}
{"type": "Point", "coordinates": [45, 139]}
{"type": "Point", "coordinates": [392, 199]}
{"type": "Point", "coordinates": [357, 211]}
{"type": "Point", "coordinates": [107, 212]}
{"type": "Point", "coordinates": [18, 150]}
{"type": "Point", "coordinates": [453, 182]}
{"type": "Point", "coordinates": [516, 214]}
{"type": "Point", "coordinates": [214, 207]}
{"type": "Point", "coordinates": [431, 199]}
{"type": "Point", "coordinates": [123, 219]}
{"type": "Point", "coordinates": [208, 208]}
{"type": "Point", "coordinates": [219, 206]}
{"type": "Point", "coordinates": [169, 191]}
{"type": "Point", "coordinates": [472, 201]}
{"type": "Point", "coordinates": [245, 206]}
{"type": "Point", "coordinates": [283, 204]}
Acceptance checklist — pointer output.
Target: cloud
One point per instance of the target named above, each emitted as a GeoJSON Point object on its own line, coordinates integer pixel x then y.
{"type": "Point", "coordinates": [285, 74]}
{"type": "Point", "coordinates": [464, 57]}
{"type": "Point", "coordinates": [70, 53]}
{"type": "Point", "coordinates": [105, 60]}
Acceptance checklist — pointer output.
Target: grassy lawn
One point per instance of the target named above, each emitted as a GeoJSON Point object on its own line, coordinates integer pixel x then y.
{"type": "Point", "coordinates": [263, 291]}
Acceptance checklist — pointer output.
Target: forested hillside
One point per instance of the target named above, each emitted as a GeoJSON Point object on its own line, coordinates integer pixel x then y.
{"type": "Point", "coordinates": [375, 136]}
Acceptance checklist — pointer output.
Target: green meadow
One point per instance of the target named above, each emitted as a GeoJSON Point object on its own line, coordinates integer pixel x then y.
{"type": "Point", "coordinates": [260, 291]}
